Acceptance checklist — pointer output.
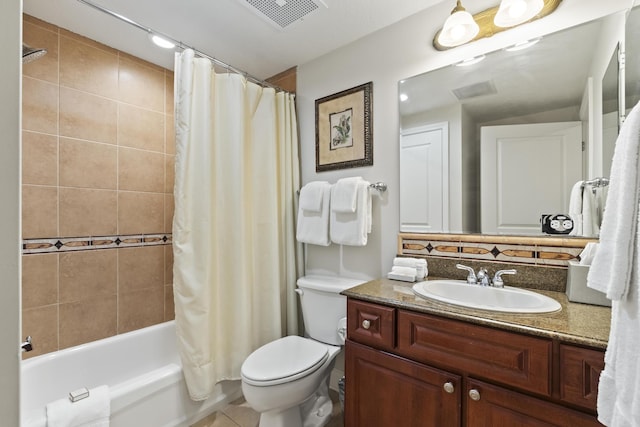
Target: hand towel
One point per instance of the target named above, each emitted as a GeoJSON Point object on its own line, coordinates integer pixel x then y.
{"type": "Point", "coordinates": [610, 272]}
{"type": "Point", "coordinates": [313, 227]}
{"type": "Point", "coordinates": [352, 228]}
{"type": "Point", "coordinates": [312, 195]}
{"type": "Point", "coordinates": [344, 194]}
{"type": "Point", "coordinates": [616, 271]}
{"type": "Point", "coordinates": [92, 411]}
{"type": "Point", "coordinates": [575, 208]}
{"type": "Point", "coordinates": [407, 271]}
{"type": "Point", "coordinates": [590, 224]}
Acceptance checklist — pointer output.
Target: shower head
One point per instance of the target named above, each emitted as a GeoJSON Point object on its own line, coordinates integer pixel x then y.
{"type": "Point", "coordinates": [31, 54]}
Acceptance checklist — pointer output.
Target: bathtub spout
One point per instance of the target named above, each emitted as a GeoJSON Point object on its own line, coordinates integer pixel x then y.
{"type": "Point", "coordinates": [26, 345]}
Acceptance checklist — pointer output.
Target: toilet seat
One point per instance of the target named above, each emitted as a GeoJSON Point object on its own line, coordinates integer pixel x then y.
{"type": "Point", "coordinates": [283, 360]}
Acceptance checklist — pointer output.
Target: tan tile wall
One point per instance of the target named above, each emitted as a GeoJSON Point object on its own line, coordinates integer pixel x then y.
{"type": "Point", "coordinates": [98, 157]}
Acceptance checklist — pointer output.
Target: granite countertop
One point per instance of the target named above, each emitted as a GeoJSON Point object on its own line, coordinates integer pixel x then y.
{"type": "Point", "coordinates": [576, 323]}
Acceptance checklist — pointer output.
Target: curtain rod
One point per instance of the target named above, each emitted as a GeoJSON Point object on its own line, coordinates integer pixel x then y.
{"type": "Point", "coordinates": [179, 44]}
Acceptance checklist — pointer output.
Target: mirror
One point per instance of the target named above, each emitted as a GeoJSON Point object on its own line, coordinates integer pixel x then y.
{"type": "Point", "coordinates": [559, 79]}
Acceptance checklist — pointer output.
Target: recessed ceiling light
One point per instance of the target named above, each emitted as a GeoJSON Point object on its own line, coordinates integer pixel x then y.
{"type": "Point", "coordinates": [470, 61]}
{"type": "Point", "coordinates": [523, 45]}
{"type": "Point", "coordinates": [161, 41]}
{"type": "Point", "coordinates": [403, 97]}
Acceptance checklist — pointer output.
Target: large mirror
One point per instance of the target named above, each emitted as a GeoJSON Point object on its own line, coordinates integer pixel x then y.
{"type": "Point", "coordinates": [495, 146]}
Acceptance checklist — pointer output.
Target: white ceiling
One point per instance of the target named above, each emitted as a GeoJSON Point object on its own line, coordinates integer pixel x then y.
{"type": "Point", "coordinates": [227, 29]}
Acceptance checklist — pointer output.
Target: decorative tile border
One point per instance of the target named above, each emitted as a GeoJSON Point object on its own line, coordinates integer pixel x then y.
{"type": "Point", "coordinates": [537, 250]}
{"type": "Point", "coordinates": [69, 244]}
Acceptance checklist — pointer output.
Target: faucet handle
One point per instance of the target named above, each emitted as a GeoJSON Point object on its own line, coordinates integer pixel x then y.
{"type": "Point", "coordinates": [471, 277]}
{"type": "Point", "coordinates": [497, 278]}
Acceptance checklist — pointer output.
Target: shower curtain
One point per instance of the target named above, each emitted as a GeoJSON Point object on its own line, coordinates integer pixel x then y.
{"type": "Point", "coordinates": [235, 253]}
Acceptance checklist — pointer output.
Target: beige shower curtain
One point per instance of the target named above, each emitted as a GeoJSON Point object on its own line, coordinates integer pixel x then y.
{"type": "Point", "coordinates": [235, 253]}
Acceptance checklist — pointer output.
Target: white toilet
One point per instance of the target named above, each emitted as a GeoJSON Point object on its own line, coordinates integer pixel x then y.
{"type": "Point", "coordinates": [287, 380]}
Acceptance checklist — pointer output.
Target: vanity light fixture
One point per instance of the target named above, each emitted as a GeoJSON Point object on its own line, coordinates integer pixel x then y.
{"type": "Point", "coordinates": [523, 45]}
{"type": "Point", "coordinates": [161, 41]}
{"type": "Point", "coordinates": [459, 28]}
{"type": "Point", "coordinates": [470, 61]}
{"type": "Point", "coordinates": [508, 14]}
{"type": "Point", "coordinates": [515, 12]}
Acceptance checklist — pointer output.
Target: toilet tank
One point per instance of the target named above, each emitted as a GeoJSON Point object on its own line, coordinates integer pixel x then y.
{"type": "Point", "coordinates": [323, 307]}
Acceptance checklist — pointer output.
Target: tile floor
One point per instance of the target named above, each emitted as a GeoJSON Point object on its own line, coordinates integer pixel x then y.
{"type": "Point", "coordinates": [239, 414]}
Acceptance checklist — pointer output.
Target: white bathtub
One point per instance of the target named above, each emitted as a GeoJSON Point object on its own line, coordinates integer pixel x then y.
{"type": "Point", "coordinates": [143, 372]}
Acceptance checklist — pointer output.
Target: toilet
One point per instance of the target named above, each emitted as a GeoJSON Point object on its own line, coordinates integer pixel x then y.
{"type": "Point", "coordinates": [287, 380]}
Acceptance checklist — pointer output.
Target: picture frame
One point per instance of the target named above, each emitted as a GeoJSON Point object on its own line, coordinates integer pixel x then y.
{"type": "Point", "coordinates": [344, 131]}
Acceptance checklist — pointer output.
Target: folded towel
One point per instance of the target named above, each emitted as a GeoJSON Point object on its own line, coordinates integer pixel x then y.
{"type": "Point", "coordinates": [352, 228]}
{"type": "Point", "coordinates": [344, 195]}
{"type": "Point", "coordinates": [406, 262]}
{"type": "Point", "coordinates": [92, 411]}
{"type": "Point", "coordinates": [611, 269]}
{"type": "Point", "coordinates": [312, 195]}
{"type": "Point", "coordinates": [407, 271]}
{"type": "Point", "coordinates": [575, 208]}
{"type": "Point", "coordinates": [313, 227]}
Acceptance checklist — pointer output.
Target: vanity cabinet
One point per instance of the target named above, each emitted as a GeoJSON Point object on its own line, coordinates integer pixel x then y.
{"type": "Point", "coordinates": [408, 368]}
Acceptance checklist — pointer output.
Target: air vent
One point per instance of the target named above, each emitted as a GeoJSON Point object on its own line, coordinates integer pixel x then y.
{"type": "Point", "coordinates": [282, 13]}
{"type": "Point", "coordinates": [475, 90]}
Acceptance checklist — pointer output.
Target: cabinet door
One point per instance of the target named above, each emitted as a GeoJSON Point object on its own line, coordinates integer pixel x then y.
{"type": "Point", "coordinates": [492, 406]}
{"type": "Point", "coordinates": [580, 370]}
{"type": "Point", "coordinates": [384, 390]}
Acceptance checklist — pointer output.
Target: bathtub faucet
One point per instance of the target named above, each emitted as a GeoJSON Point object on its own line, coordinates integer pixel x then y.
{"type": "Point", "coordinates": [26, 345]}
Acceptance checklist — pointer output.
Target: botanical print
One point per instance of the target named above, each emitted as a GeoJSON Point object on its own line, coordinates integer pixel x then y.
{"type": "Point", "coordinates": [341, 135]}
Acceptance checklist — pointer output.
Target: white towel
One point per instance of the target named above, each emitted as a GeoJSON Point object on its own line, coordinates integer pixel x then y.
{"type": "Point", "coordinates": [610, 272]}
{"type": "Point", "coordinates": [575, 208]}
{"type": "Point", "coordinates": [344, 194]}
{"type": "Point", "coordinates": [92, 411]}
{"type": "Point", "coordinates": [616, 271]}
{"type": "Point", "coordinates": [312, 195]}
{"type": "Point", "coordinates": [590, 222]}
{"type": "Point", "coordinates": [313, 227]}
{"type": "Point", "coordinates": [352, 228]}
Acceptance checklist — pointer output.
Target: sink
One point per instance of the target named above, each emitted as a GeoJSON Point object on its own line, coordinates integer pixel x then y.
{"type": "Point", "coordinates": [507, 299]}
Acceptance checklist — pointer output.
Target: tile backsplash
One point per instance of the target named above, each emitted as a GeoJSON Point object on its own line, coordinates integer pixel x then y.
{"type": "Point", "coordinates": [97, 191]}
{"type": "Point", "coordinates": [541, 261]}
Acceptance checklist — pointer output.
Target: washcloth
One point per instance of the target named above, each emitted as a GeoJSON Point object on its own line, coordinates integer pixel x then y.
{"type": "Point", "coordinates": [313, 227]}
{"type": "Point", "coordinates": [419, 264]}
{"type": "Point", "coordinates": [616, 271]}
{"type": "Point", "coordinates": [344, 194]}
{"type": "Point", "coordinates": [312, 196]}
{"type": "Point", "coordinates": [610, 272]}
{"type": "Point", "coordinates": [352, 228]}
{"type": "Point", "coordinates": [92, 411]}
{"type": "Point", "coordinates": [575, 208]}
{"type": "Point", "coordinates": [405, 274]}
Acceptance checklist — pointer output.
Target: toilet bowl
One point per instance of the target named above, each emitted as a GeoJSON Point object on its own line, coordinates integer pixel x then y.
{"type": "Point", "coordinates": [287, 380]}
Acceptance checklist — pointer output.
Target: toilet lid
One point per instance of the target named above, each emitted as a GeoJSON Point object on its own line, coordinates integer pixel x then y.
{"type": "Point", "coordinates": [283, 360]}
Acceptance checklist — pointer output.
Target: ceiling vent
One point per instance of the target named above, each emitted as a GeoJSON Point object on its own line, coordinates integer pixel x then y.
{"type": "Point", "coordinates": [475, 90]}
{"type": "Point", "coordinates": [283, 13]}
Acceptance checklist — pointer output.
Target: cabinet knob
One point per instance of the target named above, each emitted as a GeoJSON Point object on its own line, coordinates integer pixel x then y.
{"type": "Point", "coordinates": [448, 387]}
{"type": "Point", "coordinates": [366, 324]}
{"type": "Point", "coordinates": [474, 394]}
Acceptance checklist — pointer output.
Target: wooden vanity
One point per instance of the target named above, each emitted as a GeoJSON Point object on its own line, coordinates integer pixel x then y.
{"type": "Point", "coordinates": [414, 362]}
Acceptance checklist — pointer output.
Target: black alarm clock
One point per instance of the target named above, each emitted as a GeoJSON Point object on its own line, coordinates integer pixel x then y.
{"type": "Point", "coordinates": [556, 223]}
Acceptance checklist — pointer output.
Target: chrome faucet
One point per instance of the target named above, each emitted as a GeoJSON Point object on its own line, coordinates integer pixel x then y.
{"type": "Point", "coordinates": [26, 345]}
{"type": "Point", "coordinates": [471, 277]}
{"type": "Point", "coordinates": [483, 277]}
{"type": "Point", "coordinates": [497, 278]}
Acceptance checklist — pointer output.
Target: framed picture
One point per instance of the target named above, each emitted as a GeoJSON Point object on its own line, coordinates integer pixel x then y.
{"type": "Point", "coordinates": [344, 129]}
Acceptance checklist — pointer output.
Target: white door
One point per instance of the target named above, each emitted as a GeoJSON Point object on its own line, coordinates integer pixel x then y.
{"type": "Point", "coordinates": [527, 171]}
{"type": "Point", "coordinates": [424, 192]}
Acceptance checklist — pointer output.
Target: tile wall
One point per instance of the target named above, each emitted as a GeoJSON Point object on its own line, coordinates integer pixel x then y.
{"type": "Point", "coordinates": [97, 191]}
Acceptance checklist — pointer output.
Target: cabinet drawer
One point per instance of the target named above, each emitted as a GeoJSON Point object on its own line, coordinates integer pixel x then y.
{"type": "Point", "coordinates": [579, 375]}
{"type": "Point", "coordinates": [489, 406]}
{"type": "Point", "coordinates": [371, 324]}
{"type": "Point", "coordinates": [510, 358]}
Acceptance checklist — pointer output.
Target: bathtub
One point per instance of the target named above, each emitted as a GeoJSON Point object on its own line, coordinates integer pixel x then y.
{"type": "Point", "coordinates": [142, 369]}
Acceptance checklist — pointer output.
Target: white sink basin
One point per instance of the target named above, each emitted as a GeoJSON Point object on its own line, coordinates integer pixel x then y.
{"type": "Point", "coordinates": [507, 299]}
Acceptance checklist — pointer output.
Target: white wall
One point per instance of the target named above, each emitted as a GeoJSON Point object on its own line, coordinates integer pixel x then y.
{"type": "Point", "coordinates": [10, 71]}
{"type": "Point", "coordinates": [393, 53]}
